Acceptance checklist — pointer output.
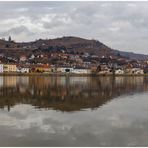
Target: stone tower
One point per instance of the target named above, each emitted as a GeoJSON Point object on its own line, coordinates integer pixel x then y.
{"type": "Point", "coordinates": [9, 39]}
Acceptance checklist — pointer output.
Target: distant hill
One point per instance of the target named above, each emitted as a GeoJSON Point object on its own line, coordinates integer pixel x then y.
{"type": "Point", "coordinates": [69, 43]}
{"type": "Point", "coordinates": [75, 44]}
{"type": "Point", "coordinates": [132, 55]}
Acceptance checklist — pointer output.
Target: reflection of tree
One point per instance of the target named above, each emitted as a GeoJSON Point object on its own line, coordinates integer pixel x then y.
{"type": "Point", "coordinates": [67, 93]}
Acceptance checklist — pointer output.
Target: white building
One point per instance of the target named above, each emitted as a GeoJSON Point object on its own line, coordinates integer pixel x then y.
{"type": "Point", "coordinates": [137, 71]}
{"type": "Point", "coordinates": [134, 71]}
{"type": "Point", "coordinates": [32, 56]}
{"type": "Point", "coordinates": [81, 71]}
{"type": "Point", "coordinates": [105, 70]}
{"type": "Point", "coordinates": [64, 69]}
{"type": "Point", "coordinates": [119, 72]}
{"type": "Point", "coordinates": [23, 58]}
{"type": "Point", "coordinates": [1, 68]}
{"type": "Point", "coordinates": [23, 70]}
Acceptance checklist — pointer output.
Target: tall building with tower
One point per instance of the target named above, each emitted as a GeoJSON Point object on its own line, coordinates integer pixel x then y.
{"type": "Point", "coordinates": [9, 39]}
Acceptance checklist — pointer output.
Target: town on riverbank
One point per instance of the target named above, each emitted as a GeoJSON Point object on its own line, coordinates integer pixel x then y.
{"type": "Point", "coordinates": [40, 58]}
{"type": "Point", "coordinates": [47, 69]}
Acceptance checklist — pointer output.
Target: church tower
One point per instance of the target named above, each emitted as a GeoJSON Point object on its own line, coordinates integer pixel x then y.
{"type": "Point", "coordinates": [9, 39]}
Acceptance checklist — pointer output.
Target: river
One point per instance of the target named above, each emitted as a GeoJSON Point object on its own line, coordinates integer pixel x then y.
{"type": "Point", "coordinates": [73, 111]}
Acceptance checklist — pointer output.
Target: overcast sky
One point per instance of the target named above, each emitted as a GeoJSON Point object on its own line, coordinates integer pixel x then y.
{"type": "Point", "coordinates": [120, 25]}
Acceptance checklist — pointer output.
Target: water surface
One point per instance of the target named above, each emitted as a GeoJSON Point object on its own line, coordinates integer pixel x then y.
{"type": "Point", "coordinates": [73, 111]}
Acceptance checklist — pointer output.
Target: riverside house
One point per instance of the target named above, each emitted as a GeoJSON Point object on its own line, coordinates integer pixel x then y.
{"type": "Point", "coordinates": [22, 69]}
{"type": "Point", "coordinates": [78, 70]}
{"type": "Point", "coordinates": [119, 72]}
{"type": "Point", "coordinates": [138, 71]}
{"type": "Point", "coordinates": [45, 68]}
{"type": "Point", "coordinates": [10, 68]}
{"type": "Point", "coordinates": [64, 69]}
{"type": "Point", "coordinates": [104, 70]}
{"type": "Point", "coordinates": [134, 71]}
{"type": "Point", "coordinates": [23, 58]}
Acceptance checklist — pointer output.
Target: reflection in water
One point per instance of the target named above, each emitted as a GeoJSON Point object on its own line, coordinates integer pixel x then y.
{"type": "Point", "coordinates": [66, 93]}
{"type": "Point", "coordinates": [73, 111]}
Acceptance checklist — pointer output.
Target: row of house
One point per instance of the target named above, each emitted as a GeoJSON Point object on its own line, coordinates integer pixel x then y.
{"type": "Point", "coordinates": [130, 71]}
{"type": "Point", "coordinates": [105, 70]}
{"type": "Point", "coordinates": [13, 68]}
{"type": "Point", "coordinates": [45, 68]}
{"type": "Point", "coordinates": [5, 68]}
{"type": "Point", "coordinates": [8, 68]}
{"type": "Point", "coordinates": [76, 70]}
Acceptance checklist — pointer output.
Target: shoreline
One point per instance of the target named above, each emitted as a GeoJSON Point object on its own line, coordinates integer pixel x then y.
{"type": "Point", "coordinates": [71, 74]}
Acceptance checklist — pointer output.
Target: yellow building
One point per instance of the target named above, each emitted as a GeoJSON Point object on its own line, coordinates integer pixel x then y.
{"type": "Point", "coordinates": [9, 68]}
{"type": "Point", "coordinates": [42, 69]}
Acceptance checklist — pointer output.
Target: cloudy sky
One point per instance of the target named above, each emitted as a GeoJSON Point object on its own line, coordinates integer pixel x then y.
{"type": "Point", "coordinates": [120, 25]}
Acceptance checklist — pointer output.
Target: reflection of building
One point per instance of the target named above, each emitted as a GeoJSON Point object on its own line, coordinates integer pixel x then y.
{"type": "Point", "coordinates": [40, 82]}
{"type": "Point", "coordinates": [67, 93]}
{"type": "Point", "coordinates": [79, 80]}
{"type": "Point", "coordinates": [10, 81]}
{"type": "Point", "coordinates": [9, 68]}
{"type": "Point", "coordinates": [1, 68]}
{"type": "Point", "coordinates": [1, 81]}
{"type": "Point", "coordinates": [24, 81]}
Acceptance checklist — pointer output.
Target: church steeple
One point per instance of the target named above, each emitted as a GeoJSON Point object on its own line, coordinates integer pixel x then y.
{"type": "Point", "coordinates": [9, 39]}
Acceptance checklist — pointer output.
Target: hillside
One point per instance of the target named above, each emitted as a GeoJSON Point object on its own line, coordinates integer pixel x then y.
{"type": "Point", "coordinates": [71, 44]}
{"type": "Point", "coordinates": [75, 44]}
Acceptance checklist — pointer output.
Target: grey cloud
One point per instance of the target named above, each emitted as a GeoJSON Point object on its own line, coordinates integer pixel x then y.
{"type": "Point", "coordinates": [20, 29]}
{"type": "Point", "coordinates": [17, 31]}
{"type": "Point", "coordinates": [120, 25]}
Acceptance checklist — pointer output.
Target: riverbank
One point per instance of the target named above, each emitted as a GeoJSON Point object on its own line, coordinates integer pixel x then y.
{"type": "Point", "coordinates": [68, 74]}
